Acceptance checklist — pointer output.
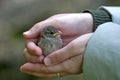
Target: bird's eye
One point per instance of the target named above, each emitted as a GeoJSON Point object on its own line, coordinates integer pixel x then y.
{"type": "Point", "coordinates": [51, 32]}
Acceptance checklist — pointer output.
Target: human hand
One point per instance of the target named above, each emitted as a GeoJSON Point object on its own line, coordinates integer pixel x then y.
{"type": "Point", "coordinates": [66, 61]}
{"type": "Point", "coordinates": [71, 26]}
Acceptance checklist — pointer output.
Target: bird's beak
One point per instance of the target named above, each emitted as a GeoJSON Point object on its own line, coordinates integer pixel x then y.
{"type": "Point", "coordinates": [57, 33]}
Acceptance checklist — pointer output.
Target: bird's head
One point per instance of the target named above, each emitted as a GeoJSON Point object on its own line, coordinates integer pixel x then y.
{"type": "Point", "coordinates": [50, 32]}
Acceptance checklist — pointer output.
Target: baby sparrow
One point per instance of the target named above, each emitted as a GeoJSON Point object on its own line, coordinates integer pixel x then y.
{"type": "Point", "coordinates": [50, 40]}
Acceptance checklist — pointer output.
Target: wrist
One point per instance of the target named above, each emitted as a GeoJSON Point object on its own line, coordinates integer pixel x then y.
{"type": "Point", "coordinates": [88, 21]}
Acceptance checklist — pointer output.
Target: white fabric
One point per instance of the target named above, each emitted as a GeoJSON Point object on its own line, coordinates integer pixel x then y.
{"type": "Point", "coordinates": [102, 55]}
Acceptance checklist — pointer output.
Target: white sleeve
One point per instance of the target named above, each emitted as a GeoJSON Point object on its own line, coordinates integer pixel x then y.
{"type": "Point", "coordinates": [102, 55]}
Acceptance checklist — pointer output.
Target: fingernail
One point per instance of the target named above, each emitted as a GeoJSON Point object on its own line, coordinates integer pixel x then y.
{"type": "Point", "coordinates": [41, 59]}
{"type": "Point", "coordinates": [47, 61]}
{"type": "Point", "coordinates": [22, 69]}
{"type": "Point", "coordinates": [27, 32]}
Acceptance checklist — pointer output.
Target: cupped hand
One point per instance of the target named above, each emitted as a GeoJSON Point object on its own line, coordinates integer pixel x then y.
{"type": "Point", "coordinates": [66, 61]}
{"type": "Point", "coordinates": [71, 25]}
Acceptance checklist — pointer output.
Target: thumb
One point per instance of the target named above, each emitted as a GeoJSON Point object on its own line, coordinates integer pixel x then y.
{"type": "Point", "coordinates": [74, 48]}
{"type": "Point", "coordinates": [59, 55]}
{"type": "Point", "coordinates": [34, 32]}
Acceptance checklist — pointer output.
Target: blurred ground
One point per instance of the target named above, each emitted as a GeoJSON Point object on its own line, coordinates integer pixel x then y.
{"type": "Point", "coordinates": [17, 16]}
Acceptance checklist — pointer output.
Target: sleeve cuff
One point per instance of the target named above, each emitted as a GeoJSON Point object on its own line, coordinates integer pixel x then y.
{"type": "Point", "coordinates": [100, 16]}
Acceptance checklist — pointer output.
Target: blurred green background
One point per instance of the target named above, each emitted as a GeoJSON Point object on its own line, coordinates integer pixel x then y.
{"type": "Point", "coordinates": [17, 16]}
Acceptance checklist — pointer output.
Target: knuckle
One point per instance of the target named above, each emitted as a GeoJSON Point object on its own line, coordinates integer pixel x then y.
{"type": "Point", "coordinates": [37, 24]}
{"type": "Point", "coordinates": [35, 27]}
{"type": "Point", "coordinates": [55, 58]}
{"type": "Point", "coordinates": [33, 50]}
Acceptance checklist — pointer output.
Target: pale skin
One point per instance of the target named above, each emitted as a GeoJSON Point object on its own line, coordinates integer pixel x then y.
{"type": "Point", "coordinates": [76, 31]}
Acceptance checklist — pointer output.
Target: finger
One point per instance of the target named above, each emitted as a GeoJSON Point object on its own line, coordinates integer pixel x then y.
{"type": "Point", "coordinates": [32, 58]}
{"type": "Point", "coordinates": [32, 40]}
{"type": "Point", "coordinates": [41, 68]}
{"type": "Point", "coordinates": [34, 32]}
{"type": "Point", "coordinates": [33, 49]}
{"type": "Point", "coordinates": [50, 75]}
{"type": "Point", "coordinates": [41, 74]}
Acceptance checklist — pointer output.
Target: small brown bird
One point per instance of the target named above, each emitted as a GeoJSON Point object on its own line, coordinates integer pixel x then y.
{"type": "Point", "coordinates": [50, 40]}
